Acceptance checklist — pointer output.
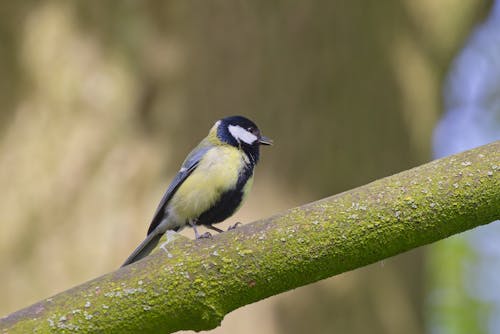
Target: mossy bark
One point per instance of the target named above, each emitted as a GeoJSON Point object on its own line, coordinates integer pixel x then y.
{"type": "Point", "coordinates": [188, 284]}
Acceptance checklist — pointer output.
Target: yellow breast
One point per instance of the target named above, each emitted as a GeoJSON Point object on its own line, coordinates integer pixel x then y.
{"type": "Point", "coordinates": [216, 173]}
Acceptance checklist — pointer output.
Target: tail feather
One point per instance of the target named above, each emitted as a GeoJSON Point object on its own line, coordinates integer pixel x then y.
{"type": "Point", "coordinates": [144, 248]}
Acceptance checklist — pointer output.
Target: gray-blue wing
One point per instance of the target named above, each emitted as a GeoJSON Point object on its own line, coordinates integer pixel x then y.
{"type": "Point", "coordinates": [187, 168]}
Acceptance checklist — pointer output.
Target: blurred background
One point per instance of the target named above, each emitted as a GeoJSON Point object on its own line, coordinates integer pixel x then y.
{"type": "Point", "coordinates": [101, 101]}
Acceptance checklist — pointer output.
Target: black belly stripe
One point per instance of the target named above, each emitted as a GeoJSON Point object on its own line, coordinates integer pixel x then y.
{"type": "Point", "coordinates": [228, 202]}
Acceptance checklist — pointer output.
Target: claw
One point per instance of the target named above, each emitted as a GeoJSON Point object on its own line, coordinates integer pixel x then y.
{"type": "Point", "coordinates": [205, 235]}
{"type": "Point", "coordinates": [232, 227]}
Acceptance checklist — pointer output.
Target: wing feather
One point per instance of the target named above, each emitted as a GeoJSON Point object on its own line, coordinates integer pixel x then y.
{"type": "Point", "coordinates": [188, 166]}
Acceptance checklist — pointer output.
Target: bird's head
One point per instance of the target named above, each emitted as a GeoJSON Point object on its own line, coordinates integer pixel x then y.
{"type": "Point", "coordinates": [241, 132]}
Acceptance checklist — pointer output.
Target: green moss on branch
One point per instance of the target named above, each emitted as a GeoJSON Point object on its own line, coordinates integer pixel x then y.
{"type": "Point", "coordinates": [193, 284]}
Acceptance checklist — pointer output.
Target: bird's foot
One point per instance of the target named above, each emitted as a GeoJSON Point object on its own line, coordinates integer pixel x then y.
{"type": "Point", "coordinates": [232, 227]}
{"type": "Point", "coordinates": [206, 235]}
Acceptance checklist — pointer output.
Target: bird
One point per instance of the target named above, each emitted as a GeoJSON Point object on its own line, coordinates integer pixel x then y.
{"type": "Point", "coordinates": [211, 185]}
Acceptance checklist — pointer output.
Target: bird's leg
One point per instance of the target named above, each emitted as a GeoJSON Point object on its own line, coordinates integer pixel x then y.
{"type": "Point", "coordinates": [192, 223]}
{"type": "Point", "coordinates": [205, 235]}
{"type": "Point", "coordinates": [214, 228]}
{"type": "Point", "coordinates": [232, 227]}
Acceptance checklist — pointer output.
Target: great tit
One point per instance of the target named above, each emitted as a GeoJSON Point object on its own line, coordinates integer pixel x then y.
{"type": "Point", "coordinates": [211, 184]}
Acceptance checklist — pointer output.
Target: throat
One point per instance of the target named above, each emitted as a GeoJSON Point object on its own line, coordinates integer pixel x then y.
{"type": "Point", "coordinates": [251, 156]}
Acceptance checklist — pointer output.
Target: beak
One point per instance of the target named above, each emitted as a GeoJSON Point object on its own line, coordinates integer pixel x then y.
{"type": "Point", "coordinates": [263, 140]}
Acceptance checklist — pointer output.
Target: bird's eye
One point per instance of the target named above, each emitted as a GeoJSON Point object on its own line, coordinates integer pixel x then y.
{"type": "Point", "coordinates": [253, 130]}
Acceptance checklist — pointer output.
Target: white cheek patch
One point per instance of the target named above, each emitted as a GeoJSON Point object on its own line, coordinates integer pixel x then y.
{"type": "Point", "coordinates": [241, 134]}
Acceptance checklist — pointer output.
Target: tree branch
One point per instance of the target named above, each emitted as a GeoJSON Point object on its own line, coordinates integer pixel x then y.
{"type": "Point", "coordinates": [189, 284]}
